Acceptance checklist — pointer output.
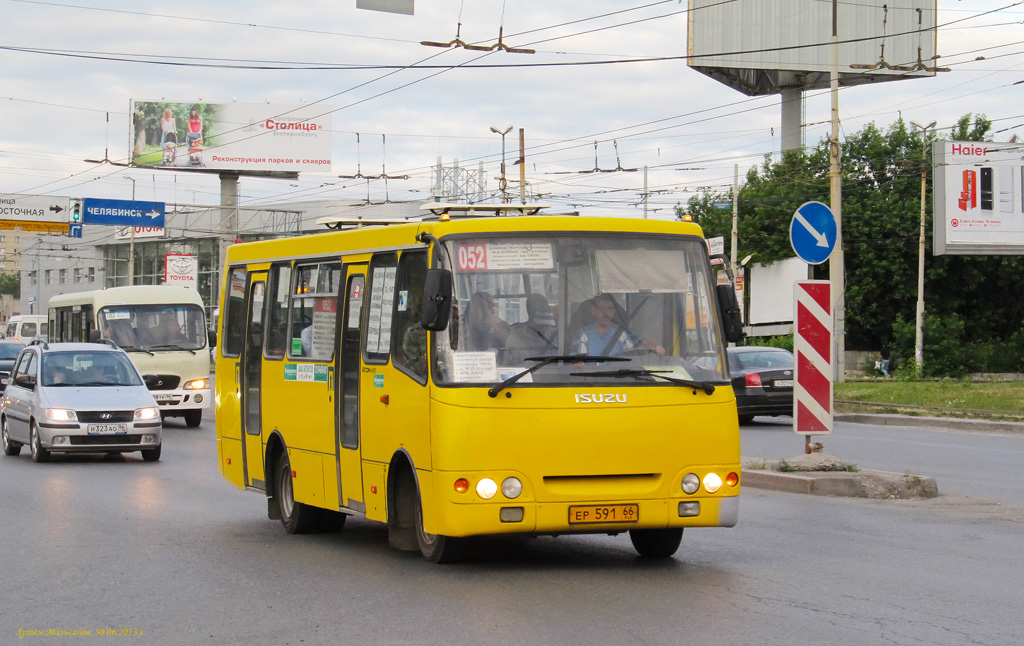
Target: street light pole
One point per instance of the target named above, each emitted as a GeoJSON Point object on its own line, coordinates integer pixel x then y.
{"type": "Point", "coordinates": [919, 319]}
{"type": "Point", "coordinates": [504, 182]}
{"type": "Point", "coordinates": [131, 240]}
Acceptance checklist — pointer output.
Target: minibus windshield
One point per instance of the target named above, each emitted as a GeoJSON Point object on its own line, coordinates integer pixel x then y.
{"type": "Point", "coordinates": [646, 300]}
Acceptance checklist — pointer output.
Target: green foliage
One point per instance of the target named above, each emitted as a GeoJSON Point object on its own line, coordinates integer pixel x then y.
{"type": "Point", "coordinates": [785, 342]}
{"type": "Point", "coordinates": [10, 284]}
{"type": "Point", "coordinates": [973, 317]}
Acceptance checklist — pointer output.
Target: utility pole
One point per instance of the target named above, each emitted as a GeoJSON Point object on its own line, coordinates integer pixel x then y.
{"type": "Point", "coordinates": [131, 239]}
{"type": "Point", "coordinates": [503, 182]}
{"type": "Point", "coordinates": [836, 264]}
{"type": "Point", "coordinates": [522, 165]}
{"type": "Point", "coordinates": [919, 318]}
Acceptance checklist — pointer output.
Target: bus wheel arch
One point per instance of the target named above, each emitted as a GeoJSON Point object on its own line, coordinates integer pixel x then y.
{"type": "Point", "coordinates": [405, 516]}
{"type": "Point", "coordinates": [297, 517]}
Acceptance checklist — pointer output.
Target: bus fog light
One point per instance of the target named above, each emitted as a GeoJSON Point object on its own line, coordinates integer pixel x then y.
{"type": "Point", "coordinates": [511, 487]}
{"type": "Point", "coordinates": [712, 482]}
{"type": "Point", "coordinates": [511, 514]}
{"type": "Point", "coordinates": [691, 483]}
{"type": "Point", "coordinates": [197, 398]}
{"type": "Point", "coordinates": [687, 509]}
{"type": "Point", "coordinates": [486, 488]}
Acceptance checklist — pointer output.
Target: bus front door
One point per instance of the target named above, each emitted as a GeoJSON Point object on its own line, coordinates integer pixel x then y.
{"type": "Point", "coordinates": [346, 414]}
{"type": "Point", "coordinates": [251, 382]}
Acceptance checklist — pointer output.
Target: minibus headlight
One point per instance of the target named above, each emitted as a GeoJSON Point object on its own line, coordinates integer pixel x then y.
{"type": "Point", "coordinates": [691, 483]}
{"type": "Point", "coordinates": [147, 413]}
{"type": "Point", "coordinates": [712, 482]}
{"type": "Point", "coordinates": [195, 384]}
{"type": "Point", "coordinates": [61, 415]}
{"type": "Point", "coordinates": [511, 487]}
{"type": "Point", "coordinates": [486, 488]}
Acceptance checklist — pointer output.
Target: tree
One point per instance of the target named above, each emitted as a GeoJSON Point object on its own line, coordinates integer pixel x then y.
{"type": "Point", "coordinates": [971, 304]}
{"type": "Point", "coordinates": [10, 284]}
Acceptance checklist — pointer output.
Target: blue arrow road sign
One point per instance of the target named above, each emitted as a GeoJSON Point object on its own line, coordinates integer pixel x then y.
{"type": "Point", "coordinates": [813, 232]}
{"type": "Point", "coordinates": [123, 212]}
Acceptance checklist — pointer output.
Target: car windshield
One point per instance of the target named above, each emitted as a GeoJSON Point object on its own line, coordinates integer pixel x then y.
{"type": "Point", "coordinates": [88, 368]}
{"type": "Point", "coordinates": [10, 350]}
{"type": "Point", "coordinates": [766, 360]}
{"type": "Point", "coordinates": [154, 327]}
{"type": "Point", "coordinates": [646, 300]}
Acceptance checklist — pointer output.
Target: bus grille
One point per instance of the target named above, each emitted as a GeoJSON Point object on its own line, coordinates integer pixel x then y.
{"type": "Point", "coordinates": [165, 382]}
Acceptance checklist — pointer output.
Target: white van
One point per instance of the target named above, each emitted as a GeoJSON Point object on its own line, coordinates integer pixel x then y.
{"type": "Point", "coordinates": [25, 327]}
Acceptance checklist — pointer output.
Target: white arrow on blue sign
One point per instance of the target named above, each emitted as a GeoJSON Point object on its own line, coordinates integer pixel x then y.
{"type": "Point", "coordinates": [813, 232]}
{"type": "Point", "coordinates": [123, 212]}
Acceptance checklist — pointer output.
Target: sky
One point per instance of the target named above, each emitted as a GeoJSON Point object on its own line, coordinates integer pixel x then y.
{"type": "Point", "coordinates": [68, 71]}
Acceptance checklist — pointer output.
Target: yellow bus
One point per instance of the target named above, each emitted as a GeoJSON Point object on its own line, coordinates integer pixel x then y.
{"type": "Point", "coordinates": [468, 376]}
{"type": "Point", "coordinates": [161, 327]}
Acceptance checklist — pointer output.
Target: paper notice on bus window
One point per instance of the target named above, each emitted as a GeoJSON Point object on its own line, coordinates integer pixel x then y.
{"type": "Point", "coordinates": [475, 366]}
{"type": "Point", "coordinates": [505, 256]}
{"type": "Point", "coordinates": [115, 316]}
{"type": "Point", "coordinates": [505, 373]}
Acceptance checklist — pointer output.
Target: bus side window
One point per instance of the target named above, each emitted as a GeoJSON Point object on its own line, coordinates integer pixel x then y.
{"type": "Point", "coordinates": [411, 341]}
{"type": "Point", "coordinates": [234, 316]}
{"type": "Point", "coordinates": [380, 314]}
{"type": "Point", "coordinates": [314, 311]}
{"type": "Point", "coordinates": [277, 318]}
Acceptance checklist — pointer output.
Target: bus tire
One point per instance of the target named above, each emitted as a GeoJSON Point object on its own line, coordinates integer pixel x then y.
{"type": "Point", "coordinates": [10, 446]}
{"type": "Point", "coordinates": [297, 517]}
{"type": "Point", "coordinates": [193, 418]}
{"type": "Point", "coordinates": [39, 454]}
{"type": "Point", "coordinates": [435, 547]}
{"type": "Point", "coordinates": [656, 543]}
{"type": "Point", "coordinates": [330, 522]}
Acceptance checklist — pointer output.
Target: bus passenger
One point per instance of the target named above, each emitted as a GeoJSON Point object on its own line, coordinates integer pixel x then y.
{"type": "Point", "coordinates": [485, 329]}
{"type": "Point", "coordinates": [539, 332]}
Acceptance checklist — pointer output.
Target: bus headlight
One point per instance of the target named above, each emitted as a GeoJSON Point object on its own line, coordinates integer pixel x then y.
{"type": "Point", "coordinates": [147, 413]}
{"type": "Point", "coordinates": [712, 482]}
{"type": "Point", "coordinates": [511, 487]}
{"type": "Point", "coordinates": [61, 415]}
{"type": "Point", "coordinates": [486, 488]}
{"type": "Point", "coordinates": [691, 483]}
{"type": "Point", "coordinates": [195, 384]}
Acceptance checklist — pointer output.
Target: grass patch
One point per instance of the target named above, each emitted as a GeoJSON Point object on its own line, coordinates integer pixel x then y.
{"type": "Point", "coordinates": [1002, 401]}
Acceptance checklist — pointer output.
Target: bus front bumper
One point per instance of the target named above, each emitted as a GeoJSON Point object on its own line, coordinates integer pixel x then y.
{"type": "Point", "coordinates": [172, 400]}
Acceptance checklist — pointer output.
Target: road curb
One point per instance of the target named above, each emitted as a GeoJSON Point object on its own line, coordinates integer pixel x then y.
{"type": "Point", "coordinates": [860, 484]}
{"type": "Point", "coordinates": [953, 423]}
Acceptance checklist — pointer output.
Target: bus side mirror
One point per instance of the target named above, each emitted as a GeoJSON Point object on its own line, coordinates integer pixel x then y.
{"type": "Point", "coordinates": [94, 336]}
{"type": "Point", "coordinates": [211, 338]}
{"type": "Point", "coordinates": [730, 309]}
{"type": "Point", "coordinates": [437, 300]}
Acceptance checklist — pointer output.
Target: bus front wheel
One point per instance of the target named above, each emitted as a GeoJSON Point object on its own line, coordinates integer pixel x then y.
{"type": "Point", "coordinates": [435, 547]}
{"type": "Point", "coordinates": [656, 543]}
{"type": "Point", "coordinates": [193, 418]}
{"type": "Point", "coordinates": [297, 517]}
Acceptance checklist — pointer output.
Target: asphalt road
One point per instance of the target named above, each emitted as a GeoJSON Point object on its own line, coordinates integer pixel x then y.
{"type": "Point", "coordinates": [171, 550]}
{"type": "Point", "coordinates": [963, 463]}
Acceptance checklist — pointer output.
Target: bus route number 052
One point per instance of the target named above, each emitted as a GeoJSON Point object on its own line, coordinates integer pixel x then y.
{"type": "Point", "coordinates": [472, 257]}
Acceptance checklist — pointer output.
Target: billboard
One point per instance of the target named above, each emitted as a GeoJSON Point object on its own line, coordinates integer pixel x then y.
{"type": "Point", "coordinates": [978, 198]}
{"type": "Point", "coordinates": [761, 46]}
{"type": "Point", "coordinates": [231, 136]}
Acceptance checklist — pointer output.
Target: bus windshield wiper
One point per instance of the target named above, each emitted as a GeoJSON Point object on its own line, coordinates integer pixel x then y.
{"type": "Point", "coordinates": [172, 346]}
{"type": "Point", "coordinates": [132, 348]}
{"type": "Point", "coordinates": [706, 386]}
{"type": "Point", "coordinates": [558, 358]}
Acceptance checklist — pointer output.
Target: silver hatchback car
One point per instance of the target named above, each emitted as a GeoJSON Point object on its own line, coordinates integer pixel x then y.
{"type": "Point", "coordinates": [78, 397]}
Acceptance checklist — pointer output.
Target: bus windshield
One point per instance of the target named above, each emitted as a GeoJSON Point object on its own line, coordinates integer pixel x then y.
{"type": "Point", "coordinates": [153, 328]}
{"type": "Point", "coordinates": [616, 310]}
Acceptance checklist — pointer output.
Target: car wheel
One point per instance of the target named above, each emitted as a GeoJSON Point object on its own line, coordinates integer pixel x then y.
{"type": "Point", "coordinates": [297, 517]}
{"type": "Point", "coordinates": [39, 454]}
{"type": "Point", "coordinates": [435, 547]}
{"type": "Point", "coordinates": [10, 446]}
{"type": "Point", "coordinates": [656, 543]}
{"type": "Point", "coordinates": [193, 418]}
{"type": "Point", "coordinates": [152, 455]}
